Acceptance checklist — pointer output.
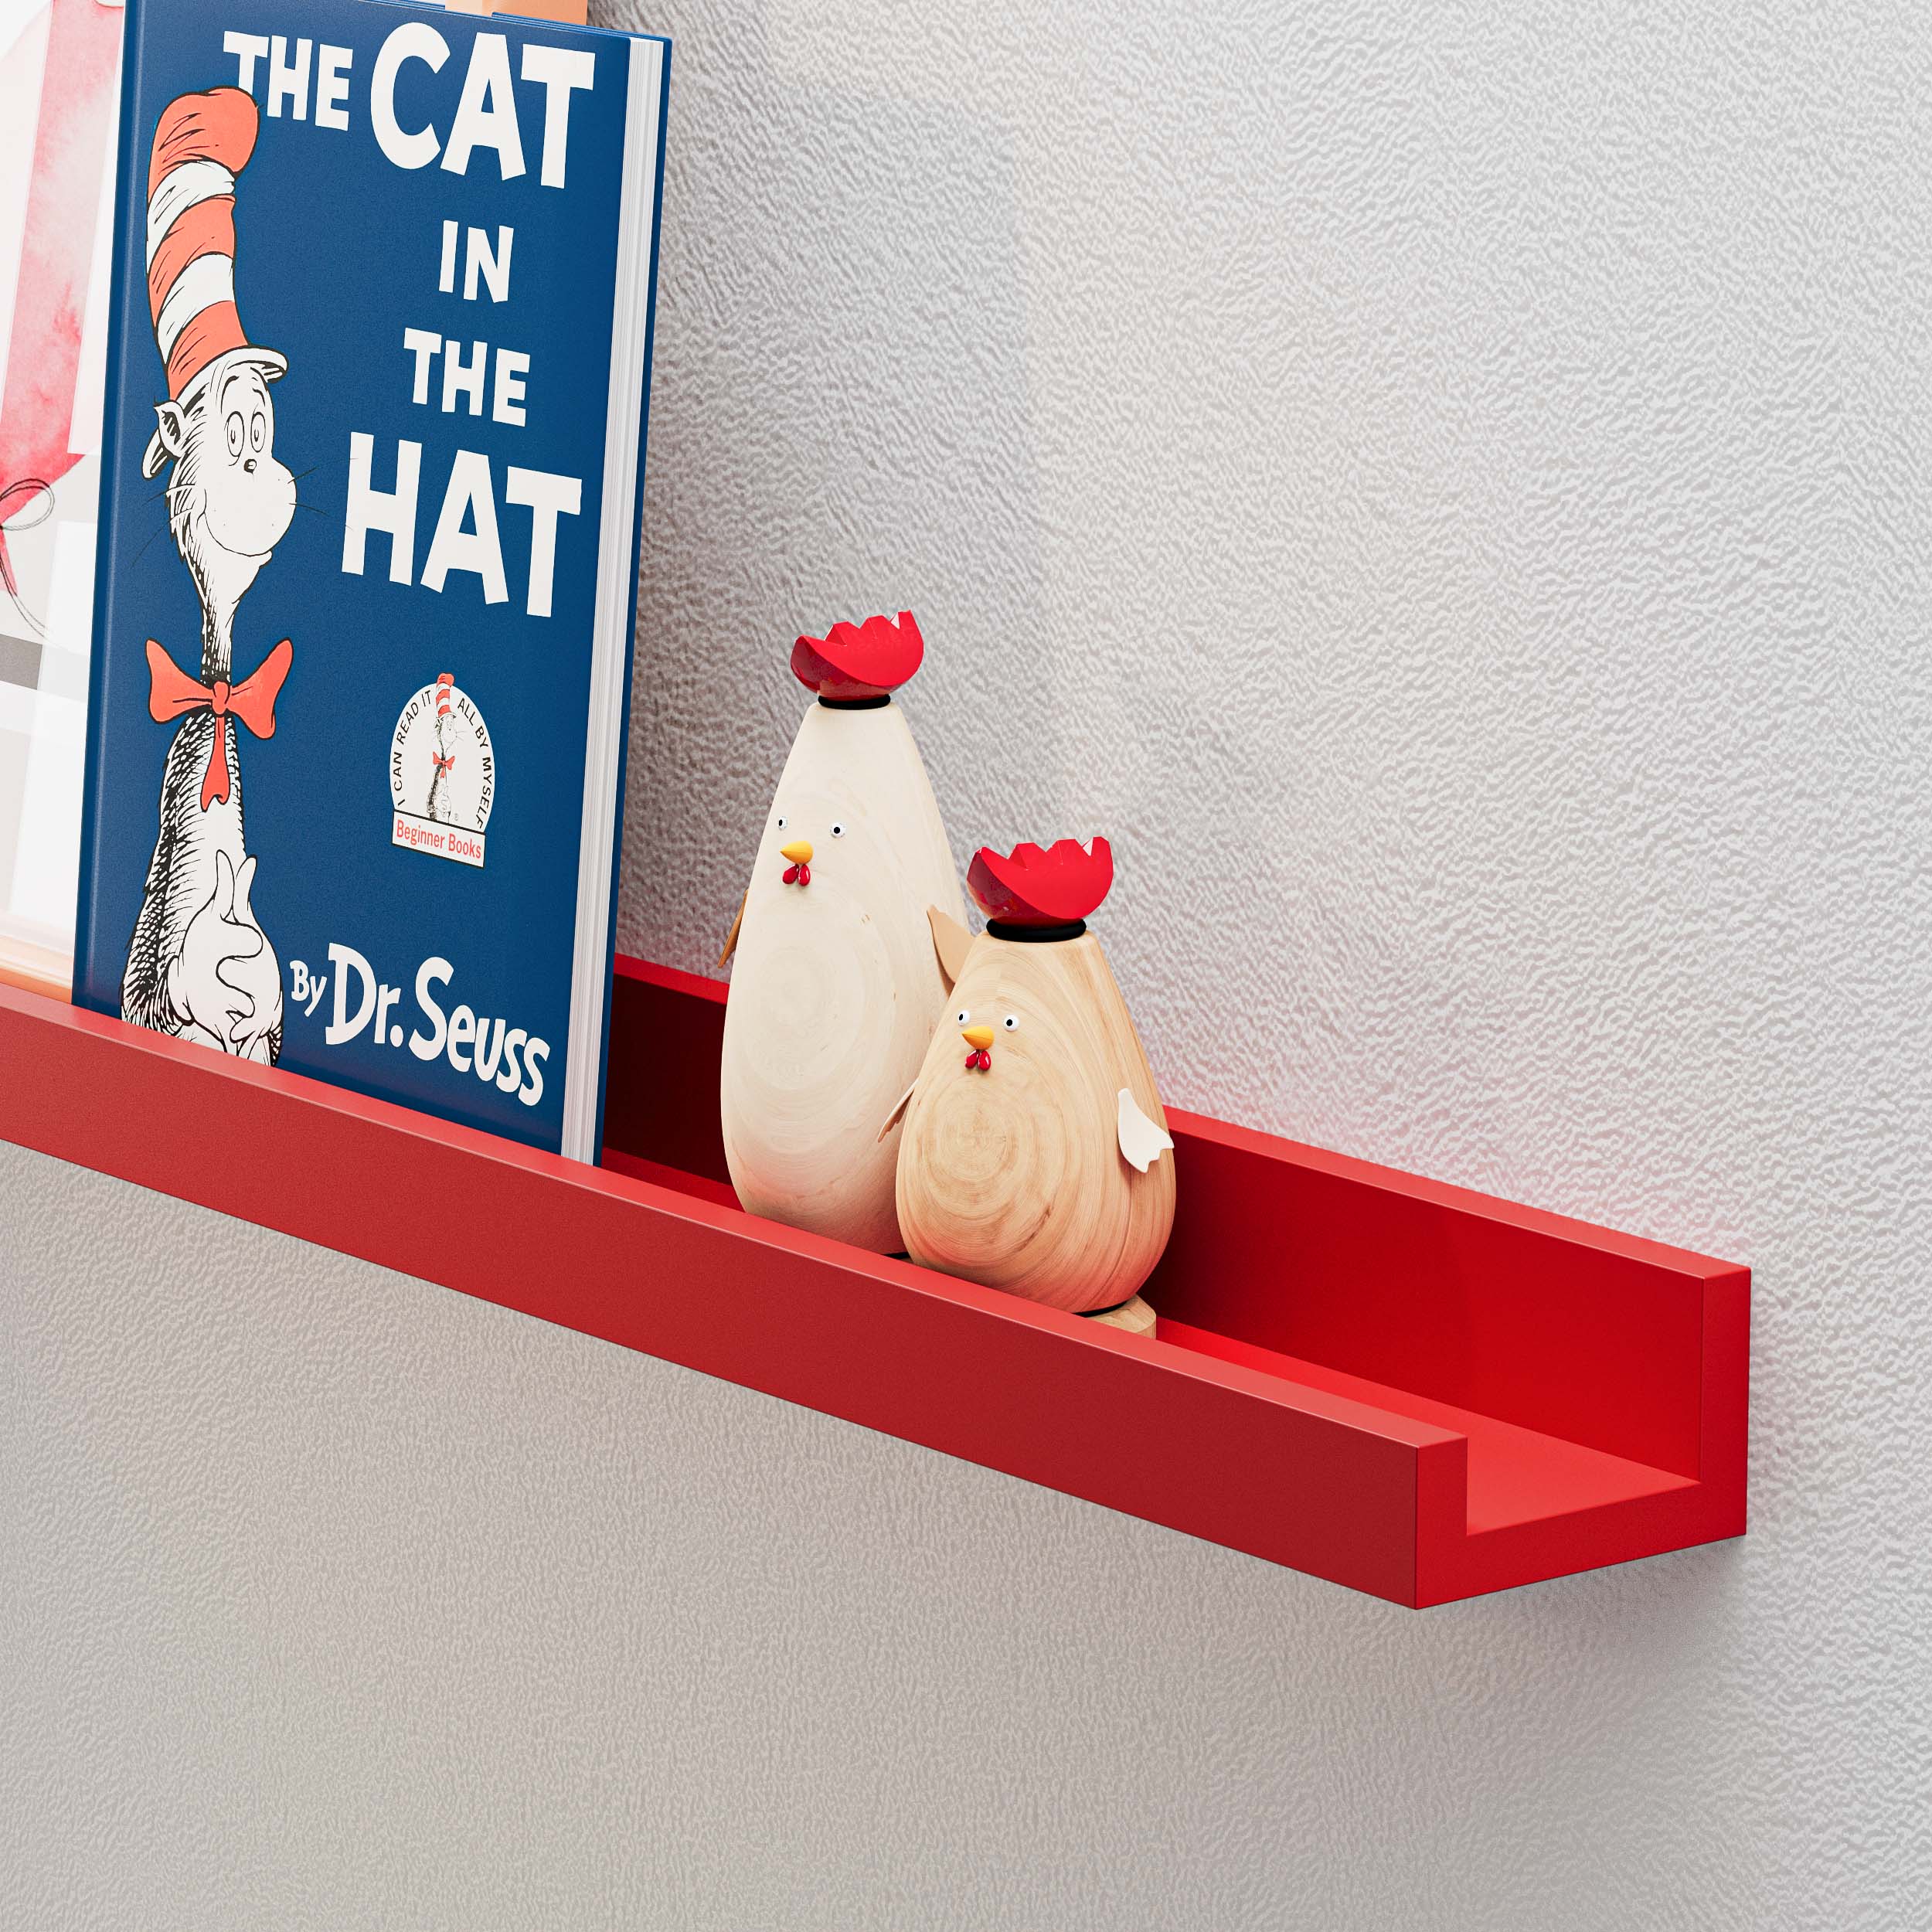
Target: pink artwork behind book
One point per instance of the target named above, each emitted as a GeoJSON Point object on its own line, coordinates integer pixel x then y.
{"type": "Point", "coordinates": [58, 66]}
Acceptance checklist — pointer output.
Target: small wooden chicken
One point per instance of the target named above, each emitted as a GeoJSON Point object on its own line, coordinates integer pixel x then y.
{"type": "Point", "coordinates": [1032, 1156]}
{"type": "Point", "coordinates": [838, 984]}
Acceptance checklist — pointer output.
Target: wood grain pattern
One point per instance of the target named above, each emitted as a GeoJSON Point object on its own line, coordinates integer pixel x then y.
{"type": "Point", "coordinates": [1133, 1316]}
{"type": "Point", "coordinates": [835, 985]}
{"type": "Point", "coordinates": [1013, 1176]}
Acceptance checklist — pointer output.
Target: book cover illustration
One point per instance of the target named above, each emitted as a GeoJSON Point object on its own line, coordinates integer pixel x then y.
{"type": "Point", "coordinates": [199, 964]}
{"type": "Point", "coordinates": [372, 470]}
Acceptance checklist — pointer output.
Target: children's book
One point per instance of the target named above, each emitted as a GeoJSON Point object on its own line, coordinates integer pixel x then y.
{"type": "Point", "coordinates": [378, 370]}
{"type": "Point", "coordinates": [59, 86]}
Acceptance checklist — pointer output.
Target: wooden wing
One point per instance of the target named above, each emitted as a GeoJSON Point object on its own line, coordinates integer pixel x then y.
{"type": "Point", "coordinates": [1142, 1142]}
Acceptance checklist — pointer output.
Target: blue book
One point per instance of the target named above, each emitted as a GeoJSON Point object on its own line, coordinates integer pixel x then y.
{"type": "Point", "coordinates": [378, 372]}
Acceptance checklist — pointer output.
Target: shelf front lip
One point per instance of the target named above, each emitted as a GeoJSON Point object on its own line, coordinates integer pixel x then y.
{"type": "Point", "coordinates": [1320, 1483]}
{"type": "Point", "coordinates": [1314, 1481]}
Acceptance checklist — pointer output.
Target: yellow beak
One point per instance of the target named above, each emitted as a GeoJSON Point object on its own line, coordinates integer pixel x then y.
{"type": "Point", "coordinates": [979, 1036]}
{"type": "Point", "coordinates": [798, 851]}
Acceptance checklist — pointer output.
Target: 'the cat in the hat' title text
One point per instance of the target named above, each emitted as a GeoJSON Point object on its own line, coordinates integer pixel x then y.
{"type": "Point", "coordinates": [485, 128]}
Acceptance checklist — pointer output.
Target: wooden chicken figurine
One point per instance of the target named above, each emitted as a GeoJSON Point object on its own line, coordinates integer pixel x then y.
{"type": "Point", "coordinates": [1032, 1151]}
{"type": "Point", "coordinates": [838, 984]}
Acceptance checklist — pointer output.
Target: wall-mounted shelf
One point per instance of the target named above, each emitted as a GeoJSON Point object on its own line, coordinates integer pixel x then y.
{"type": "Point", "coordinates": [1407, 1388]}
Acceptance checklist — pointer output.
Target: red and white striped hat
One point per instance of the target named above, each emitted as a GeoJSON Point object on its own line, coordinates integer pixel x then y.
{"type": "Point", "coordinates": [202, 142]}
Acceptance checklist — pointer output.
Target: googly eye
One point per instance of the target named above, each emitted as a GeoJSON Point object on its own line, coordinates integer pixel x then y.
{"type": "Point", "coordinates": [838, 830]}
{"type": "Point", "coordinates": [961, 1017]}
{"type": "Point", "coordinates": [1010, 1022]}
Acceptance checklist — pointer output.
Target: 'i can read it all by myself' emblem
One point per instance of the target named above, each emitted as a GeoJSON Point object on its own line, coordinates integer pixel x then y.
{"type": "Point", "coordinates": [442, 774]}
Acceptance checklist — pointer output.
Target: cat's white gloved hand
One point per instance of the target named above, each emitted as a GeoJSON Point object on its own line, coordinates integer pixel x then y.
{"type": "Point", "coordinates": [225, 985]}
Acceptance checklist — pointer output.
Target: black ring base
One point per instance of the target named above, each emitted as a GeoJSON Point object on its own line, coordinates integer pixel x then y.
{"type": "Point", "coordinates": [1035, 935]}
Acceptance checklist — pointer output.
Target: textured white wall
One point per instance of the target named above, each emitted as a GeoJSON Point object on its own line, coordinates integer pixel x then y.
{"type": "Point", "coordinates": [1445, 490]}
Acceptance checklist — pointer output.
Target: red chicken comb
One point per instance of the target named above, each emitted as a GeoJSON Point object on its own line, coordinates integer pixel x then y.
{"type": "Point", "coordinates": [863, 660]}
{"type": "Point", "coordinates": [1030, 887]}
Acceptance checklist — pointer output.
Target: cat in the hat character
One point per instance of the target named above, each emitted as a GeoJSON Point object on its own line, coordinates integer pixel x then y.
{"type": "Point", "coordinates": [198, 965]}
{"type": "Point", "coordinates": [438, 806]}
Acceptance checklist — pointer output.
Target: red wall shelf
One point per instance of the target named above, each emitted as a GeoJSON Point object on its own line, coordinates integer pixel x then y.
{"type": "Point", "coordinates": [1406, 1388]}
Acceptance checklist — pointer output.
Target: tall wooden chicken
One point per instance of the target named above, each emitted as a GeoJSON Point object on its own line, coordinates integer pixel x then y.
{"type": "Point", "coordinates": [1032, 1152]}
{"type": "Point", "coordinates": [838, 983]}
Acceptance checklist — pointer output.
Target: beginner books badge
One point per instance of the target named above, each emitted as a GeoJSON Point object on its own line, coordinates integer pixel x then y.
{"type": "Point", "coordinates": [442, 774]}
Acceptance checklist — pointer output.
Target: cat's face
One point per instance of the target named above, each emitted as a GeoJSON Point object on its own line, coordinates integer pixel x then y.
{"type": "Point", "coordinates": [230, 500]}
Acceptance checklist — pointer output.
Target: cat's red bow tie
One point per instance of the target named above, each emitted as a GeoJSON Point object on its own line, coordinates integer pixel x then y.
{"type": "Point", "coordinates": [172, 694]}
{"type": "Point", "coordinates": [446, 764]}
